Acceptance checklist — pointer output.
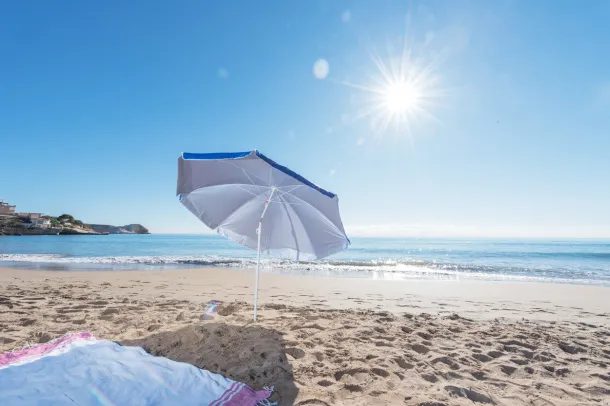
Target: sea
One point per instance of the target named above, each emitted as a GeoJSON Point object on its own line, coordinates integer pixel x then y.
{"type": "Point", "coordinates": [578, 262]}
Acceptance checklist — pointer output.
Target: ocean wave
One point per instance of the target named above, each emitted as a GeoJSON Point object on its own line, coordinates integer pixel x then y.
{"type": "Point", "coordinates": [118, 260]}
{"type": "Point", "coordinates": [388, 265]}
{"type": "Point", "coordinates": [380, 268]}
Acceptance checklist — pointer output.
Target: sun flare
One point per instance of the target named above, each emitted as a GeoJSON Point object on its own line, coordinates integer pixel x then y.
{"type": "Point", "coordinates": [400, 97]}
{"type": "Point", "coordinates": [402, 92]}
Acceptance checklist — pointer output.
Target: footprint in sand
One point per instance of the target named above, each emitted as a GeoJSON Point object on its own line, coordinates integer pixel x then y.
{"type": "Point", "coordinates": [67, 310]}
{"type": "Point", "coordinates": [478, 375]}
{"type": "Point", "coordinates": [430, 377]}
{"type": "Point", "coordinates": [295, 352]}
{"type": "Point", "coordinates": [6, 340]}
{"type": "Point", "coordinates": [98, 303]}
{"type": "Point", "coordinates": [353, 388]}
{"type": "Point", "coordinates": [42, 337]}
{"type": "Point", "coordinates": [110, 311]}
{"type": "Point", "coordinates": [495, 354]}
{"type": "Point", "coordinates": [380, 372]}
{"type": "Point", "coordinates": [450, 362]}
{"type": "Point", "coordinates": [26, 322]}
{"type": "Point", "coordinates": [456, 391]}
{"type": "Point", "coordinates": [420, 349]}
{"type": "Point", "coordinates": [403, 363]}
{"type": "Point", "coordinates": [361, 374]}
{"type": "Point", "coordinates": [519, 344]}
{"type": "Point", "coordinates": [519, 361]}
{"type": "Point", "coordinates": [383, 344]}
{"type": "Point", "coordinates": [603, 377]}
{"type": "Point", "coordinates": [424, 335]}
{"type": "Point", "coordinates": [570, 348]}
{"type": "Point", "coordinates": [481, 357]}
{"type": "Point", "coordinates": [507, 369]}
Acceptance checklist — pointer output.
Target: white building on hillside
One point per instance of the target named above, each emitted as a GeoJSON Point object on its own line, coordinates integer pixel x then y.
{"type": "Point", "coordinates": [41, 222]}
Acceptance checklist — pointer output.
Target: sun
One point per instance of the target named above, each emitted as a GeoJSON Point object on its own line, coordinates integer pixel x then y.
{"type": "Point", "coordinates": [400, 97]}
{"type": "Point", "coordinates": [402, 92]}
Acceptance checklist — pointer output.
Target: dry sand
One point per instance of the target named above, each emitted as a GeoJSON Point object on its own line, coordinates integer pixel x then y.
{"type": "Point", "coordinates": [324, 341]}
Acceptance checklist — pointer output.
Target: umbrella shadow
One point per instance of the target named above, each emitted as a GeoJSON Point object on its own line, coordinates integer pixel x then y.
{"type": "Point", "coordinates": [251, 354]}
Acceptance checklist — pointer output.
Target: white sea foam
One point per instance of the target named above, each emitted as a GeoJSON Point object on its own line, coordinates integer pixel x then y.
{"type": "Point", "coordinates": [374, 269]}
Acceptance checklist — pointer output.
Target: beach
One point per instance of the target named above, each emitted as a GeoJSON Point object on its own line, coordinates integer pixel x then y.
{"type": "Point", "coordinates": [337, 341]}
{"type": "Point", "coordinates": [408, 194]}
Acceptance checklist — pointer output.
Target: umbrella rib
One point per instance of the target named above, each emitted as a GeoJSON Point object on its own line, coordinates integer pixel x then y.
{"type": "Point", "coordinates": [294, 187]}
{"type": "Point", "coordinates": [236, 210]}
{"type": "Point", "coordinates": [306, 230]}
{"type": "Point", "coordinates": [273, 200]}
{"type": "Point", "coordinates": [270, 175]}
{"type": "Point", "coordinates": [323, 215]}
{"type": "Point", "coordinates": [241, 186]}
{"type": "Point", "coordinates": [251, 181]}
{"type": "Point", "coordinates": [294, 233]}
{"type": "Point", "coordinates": [248, 191]}
{"type": "Point", "coordinates": [286, 179]}
{"type": "Point", "coordinates": [248, 175]}
{"type": "Point", "coordinates": [288, 192]}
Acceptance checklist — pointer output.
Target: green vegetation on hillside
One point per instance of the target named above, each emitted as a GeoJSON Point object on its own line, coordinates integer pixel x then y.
{"type": "Point", "coordinates": [64, 224]}
{"type": "Point", "coordinates": [66, 218]}
{"type": "Point", "coordinates": [54, 221]}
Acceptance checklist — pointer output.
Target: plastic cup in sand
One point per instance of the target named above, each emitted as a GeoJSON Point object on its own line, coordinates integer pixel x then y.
{"type": "Point", "coordinates": [210, 310]}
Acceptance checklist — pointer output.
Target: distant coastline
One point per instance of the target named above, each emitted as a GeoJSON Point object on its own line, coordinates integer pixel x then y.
{"type": "Point", "coordinates": [21, 223]}
{"type": "Point", "coordinates": [21, 231]}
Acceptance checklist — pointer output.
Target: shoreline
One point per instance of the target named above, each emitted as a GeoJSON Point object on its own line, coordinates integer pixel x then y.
{"type": "Point", "coordinates": [337, 341]}
{"type": "Point", "coordinates": [366, 274]}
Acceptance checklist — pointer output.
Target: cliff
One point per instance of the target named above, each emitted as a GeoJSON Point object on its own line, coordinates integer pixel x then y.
{"type": "Point", "coordinates": [128, 229]}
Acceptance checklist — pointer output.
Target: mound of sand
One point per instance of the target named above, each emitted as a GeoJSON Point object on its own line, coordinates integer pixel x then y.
{"type": "Point", "coordinates": [252, 354]}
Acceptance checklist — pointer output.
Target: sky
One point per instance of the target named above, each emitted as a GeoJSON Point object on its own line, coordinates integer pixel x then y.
{"type": "Point", "coordinates": [508, 134]}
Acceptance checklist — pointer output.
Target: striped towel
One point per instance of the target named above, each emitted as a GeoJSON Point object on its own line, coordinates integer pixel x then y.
{"type": "Point", "coordinates": [79, 370]}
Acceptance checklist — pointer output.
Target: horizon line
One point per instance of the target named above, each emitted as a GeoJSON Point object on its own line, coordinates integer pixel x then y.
{"type": "Point", "coordinates": [449, 237]}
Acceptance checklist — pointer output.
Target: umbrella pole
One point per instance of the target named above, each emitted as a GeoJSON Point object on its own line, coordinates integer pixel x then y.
{"type": "Point", "coordinates": [258, 252]}
{"type": "Point", "coordinates": [258, 263]}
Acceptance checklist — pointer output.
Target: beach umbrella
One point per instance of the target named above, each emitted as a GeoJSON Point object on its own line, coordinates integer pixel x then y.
{"type": "Point", "coordinates": [262, 205]}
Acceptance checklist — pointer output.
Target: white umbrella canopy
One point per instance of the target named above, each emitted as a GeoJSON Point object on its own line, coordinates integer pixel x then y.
{"type": "Point", "coordinates": [239, 193]}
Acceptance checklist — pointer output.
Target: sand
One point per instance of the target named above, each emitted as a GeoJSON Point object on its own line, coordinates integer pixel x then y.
{"type": "Point", "coordinates": [325, 341]}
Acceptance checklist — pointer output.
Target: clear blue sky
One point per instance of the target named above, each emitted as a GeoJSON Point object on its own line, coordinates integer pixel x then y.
{"type": "Point", "coordinates": [98, 99]}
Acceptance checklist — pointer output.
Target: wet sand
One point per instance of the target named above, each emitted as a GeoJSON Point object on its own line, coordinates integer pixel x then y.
{"type": "Point", "coordinates": [338, 341]}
